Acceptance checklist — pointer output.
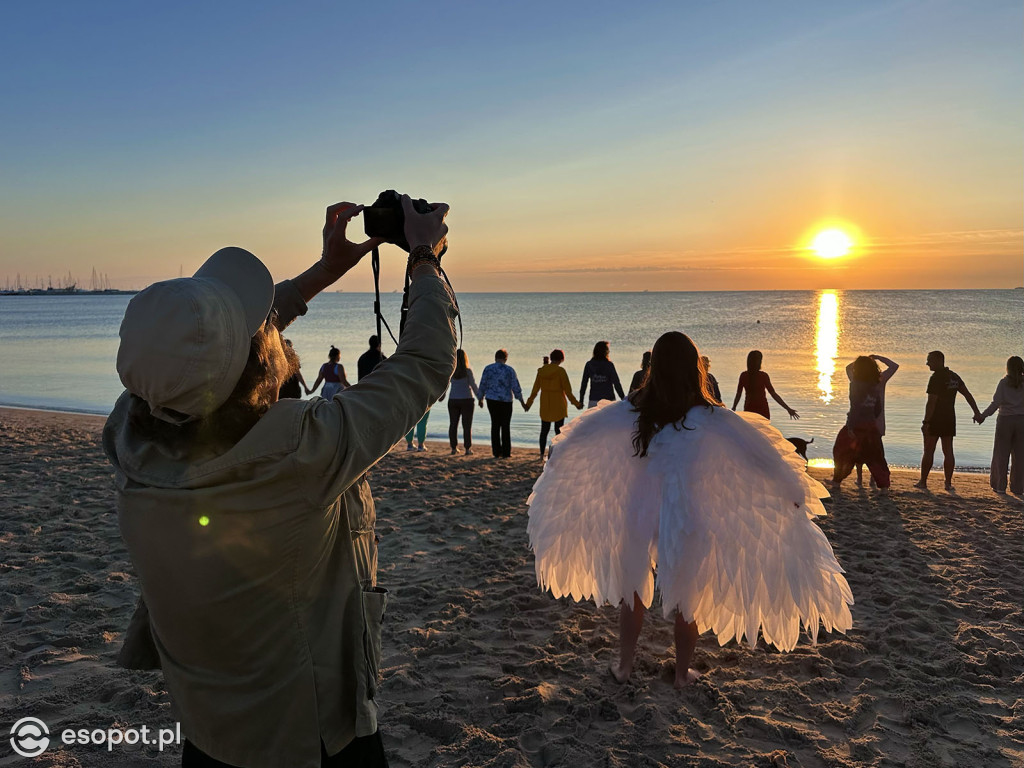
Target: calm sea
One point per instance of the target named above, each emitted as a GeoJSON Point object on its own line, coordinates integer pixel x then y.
{"type": "Point", "coordinates": [58, 352]}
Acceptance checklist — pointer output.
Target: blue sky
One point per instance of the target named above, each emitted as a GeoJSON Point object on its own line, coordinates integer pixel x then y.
{"type": "Point", "coordinates": [582, 146]}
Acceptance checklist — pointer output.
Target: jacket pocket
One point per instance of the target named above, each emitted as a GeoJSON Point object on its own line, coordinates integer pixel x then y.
{"type": "Point", "coordinates": [374, 602]}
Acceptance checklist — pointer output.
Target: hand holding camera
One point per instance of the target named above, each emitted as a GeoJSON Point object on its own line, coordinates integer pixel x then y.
{"type": "Point", "coordinates": [340, 254]}
{"type": "Point", "coordinates": [407, 223]}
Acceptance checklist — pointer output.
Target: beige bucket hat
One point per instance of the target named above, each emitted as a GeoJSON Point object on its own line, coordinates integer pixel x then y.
{"type": "Point", "coordinates": [185, 342]}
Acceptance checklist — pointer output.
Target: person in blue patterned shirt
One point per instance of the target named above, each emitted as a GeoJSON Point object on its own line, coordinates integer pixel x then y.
{"type": "Point", "coordinates": [499, 385]}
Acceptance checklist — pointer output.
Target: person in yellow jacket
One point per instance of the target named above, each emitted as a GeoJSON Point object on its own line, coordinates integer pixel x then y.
{"type": "Point", "coordinates": [553, 384]}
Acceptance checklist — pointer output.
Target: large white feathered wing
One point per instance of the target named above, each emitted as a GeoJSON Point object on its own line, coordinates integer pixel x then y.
{"type": "Point", "coordinates": [722, 508]}
{"type": "Point", "coordinates": [738, 550]}
{"type": "Point", "coordinates": [593, 520]}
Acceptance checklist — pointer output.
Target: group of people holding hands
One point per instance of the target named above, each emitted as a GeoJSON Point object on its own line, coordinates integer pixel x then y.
{"type": "Point", "coordinates": [858, 443]}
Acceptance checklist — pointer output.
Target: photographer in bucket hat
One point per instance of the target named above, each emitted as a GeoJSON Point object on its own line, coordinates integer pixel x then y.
{"type": "Point", "coordinates": [249, 519]}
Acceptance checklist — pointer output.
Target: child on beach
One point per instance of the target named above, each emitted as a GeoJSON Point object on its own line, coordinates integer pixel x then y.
{"type": "Point", "coordinates": [652, 483]}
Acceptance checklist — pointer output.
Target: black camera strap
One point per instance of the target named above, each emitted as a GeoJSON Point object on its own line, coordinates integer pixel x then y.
{"type": "Point", "coordinates": [375, 263]}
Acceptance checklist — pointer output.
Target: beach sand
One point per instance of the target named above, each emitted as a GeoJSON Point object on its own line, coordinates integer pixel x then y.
{"type": "Point", "coordinates": [482, 669]}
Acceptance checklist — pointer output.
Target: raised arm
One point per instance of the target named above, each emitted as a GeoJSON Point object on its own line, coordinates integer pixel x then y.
{"type": "Point", "coordinates": [347, 435]}
{"type": "Point", "coordinates": [890, 366]}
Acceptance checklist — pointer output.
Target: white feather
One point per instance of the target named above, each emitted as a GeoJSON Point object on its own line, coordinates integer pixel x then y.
{"type": "Point", "coordinates": [721, 508]}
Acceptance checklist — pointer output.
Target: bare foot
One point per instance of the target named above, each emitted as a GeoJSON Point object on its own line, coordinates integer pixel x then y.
{"type": "Point", "coordinates": [950, 488]}
{"type": "Point", "coordinates": [921, 484]}
{"type": "Point", "coordinates": [689, 678]}
{"type": "Point", "coordinates": [620, 672]}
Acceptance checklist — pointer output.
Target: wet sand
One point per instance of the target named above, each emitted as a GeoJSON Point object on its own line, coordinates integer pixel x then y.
{"type": "Point", "coordinates": [481, 669]}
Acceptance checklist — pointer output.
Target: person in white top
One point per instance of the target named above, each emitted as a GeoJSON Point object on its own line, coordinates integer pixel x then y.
{"type": "Point", "coordinates": [1009, 438]}
{"type": "Point", "coordinates": [888, 373]}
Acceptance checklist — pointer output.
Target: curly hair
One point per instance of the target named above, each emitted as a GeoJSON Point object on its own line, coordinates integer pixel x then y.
{"type": "Point", "coordinates": [252, 396]}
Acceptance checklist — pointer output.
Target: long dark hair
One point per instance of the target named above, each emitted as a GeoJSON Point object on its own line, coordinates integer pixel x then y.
{"type": "Point", "coordinates": [252, 397]}
{"type": "Point", "coordinates": [754, 358]}
{"type": "Point", "coordinates": [601, 350]}
{"type": "Point", "coordinates": [1015, 371]}
{"type": "Point", "coordinates": [675, 383]}
{"type": "Point", "coordinates": [865, 369]}
{"type": "Point", "coordinates": [461, 364]}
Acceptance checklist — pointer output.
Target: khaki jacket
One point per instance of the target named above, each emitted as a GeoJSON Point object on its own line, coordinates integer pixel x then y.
{"type": "Point", "coordinates": [258, 565]}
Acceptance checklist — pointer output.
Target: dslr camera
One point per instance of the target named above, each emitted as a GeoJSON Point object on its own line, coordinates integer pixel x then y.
{"type": "Point", "coordinates": [386, 218]}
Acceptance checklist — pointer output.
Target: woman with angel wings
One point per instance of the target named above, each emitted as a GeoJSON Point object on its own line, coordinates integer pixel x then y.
{"type": "Point", "coordinates": [716, 503]}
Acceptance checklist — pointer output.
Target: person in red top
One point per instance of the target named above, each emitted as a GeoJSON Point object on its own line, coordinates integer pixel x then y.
{"type": "Point", "coordinates": [756, 383]}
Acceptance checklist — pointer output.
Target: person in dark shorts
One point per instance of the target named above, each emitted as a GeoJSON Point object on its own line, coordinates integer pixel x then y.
{"type": "Point", "coordinates": [940, 417]}
{"type": "Point", "coordinates": [370, 359]}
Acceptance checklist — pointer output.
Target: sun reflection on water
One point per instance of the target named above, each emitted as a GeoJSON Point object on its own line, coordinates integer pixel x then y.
{"type": "Point", "coordinates": [827, 342]}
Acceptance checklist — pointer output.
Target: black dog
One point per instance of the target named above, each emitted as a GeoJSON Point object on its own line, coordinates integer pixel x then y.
{"type": "Point", "coordinates": [801, 445]}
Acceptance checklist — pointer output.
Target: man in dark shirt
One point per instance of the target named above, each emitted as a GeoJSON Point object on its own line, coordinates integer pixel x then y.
{"type": "Point", "coordinates": [370, 359]}
{"type": "Point", "coordinates": [940, 417]}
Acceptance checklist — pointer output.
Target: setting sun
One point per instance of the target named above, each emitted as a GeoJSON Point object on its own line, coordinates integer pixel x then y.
{"type": "Point", "coordinates": [831, 243]}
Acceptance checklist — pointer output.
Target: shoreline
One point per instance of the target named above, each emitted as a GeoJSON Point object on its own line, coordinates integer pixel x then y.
{"type": "Point", "coordinates": [814, 465]}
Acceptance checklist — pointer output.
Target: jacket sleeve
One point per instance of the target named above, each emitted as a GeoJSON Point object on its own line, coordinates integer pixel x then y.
{"type": "Point", "coordinates": [288, 302]}
{"type": "Point", "coordinates": [567, 389]}
{"type": "Point", "coordinates": [586, 380]}
{"type": "Point", "coordinates": [617, 383]}
{"type": "Point", "coordinates": [998, 400]}
{"type": "Point", "coordinates": [343, 437]}
{"type": "Point", "coordinates": [484, 381]}
{"type": "Point", "coordinates": [472, 384]}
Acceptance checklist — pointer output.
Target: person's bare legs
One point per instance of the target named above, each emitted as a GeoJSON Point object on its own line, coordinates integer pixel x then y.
{"type": "Point", "coordinates": [686, 642]}
{"type": "Point", "coordinates": [948, 462]}
{"type": "Point", "coordinates": [927, 459]}
{"type": "Point", "coordinates": [631, 620]}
